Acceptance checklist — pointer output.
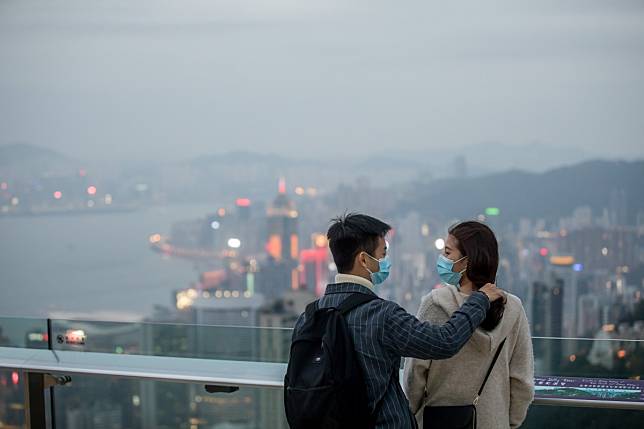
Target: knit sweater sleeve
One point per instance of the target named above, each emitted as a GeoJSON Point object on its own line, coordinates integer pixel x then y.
{"type": "Point", "coordinates": [416, 370]}
{"type": "Point", "coordinates": [521, 374]}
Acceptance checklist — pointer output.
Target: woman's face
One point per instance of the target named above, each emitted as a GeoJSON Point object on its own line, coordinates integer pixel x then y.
{"type": "Point", "coordinates": [451, 252]}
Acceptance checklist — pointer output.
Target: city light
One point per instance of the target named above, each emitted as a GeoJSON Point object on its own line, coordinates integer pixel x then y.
{"type": "Point", "coordinates": [15, 201]}
{"type": "Point", "coordinates": [605, 251]}
{"type": "Point", "coordinates": [91, 190]}
{"type": "Point", "coordinates": [562, 261]}
{"type": "Point", "coordinates": [320, 240]}
{"type": "Point", "coordinates": [58, 195]}
{"type": "Point", "coordinates": [610, 327]}
{"type": "Point", "coordinates": [4, 186]}
{"type": "Point", "coordinates": [15, 378]}
{"type": "Point", "coordinates": [155, 238]}
{"type": "Point", "coordinates": [299, 190]}
{"type": "Point", "coordinates": [221, 212]}
{"type": "Point", "coordinates": [424, 230]}
{"type": "Point", "coordinates": [215, 225]}
{"type": "Point", "coordinates": [544, 251]}
{"type": "Point", "coordinates": [242, 202]}
{"type": "Point", "coordinates": [183, 300]}
{"type": "Point", "coordinates": [38, 336]}
{"type": "Point", "coordinates": [108, 199]}
{"type": "Point", "coordinates": [440, 244]}
{"type": "Point", "coordinates": [621, 353]}
{"type": "Point", "coordinates": [572, 358]}
{"type": "Point", "coordinates": [492, 211]}
{"type": "Point", "coordinates": [234, 243]}
{"type": "Point", "coordinates": [578, 267]}
{"type": "Point", "coordinates": [75, 336]}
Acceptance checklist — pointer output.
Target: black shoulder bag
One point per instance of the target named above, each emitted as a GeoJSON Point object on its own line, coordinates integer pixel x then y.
{"type": "Point", "coordinates": [459, 416]}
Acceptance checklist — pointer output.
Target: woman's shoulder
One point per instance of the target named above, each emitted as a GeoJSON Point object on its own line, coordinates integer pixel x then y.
{"type": "Point", "coordinates": [513, 302]}
{"type": "Point", "coordinates": [436, 304]}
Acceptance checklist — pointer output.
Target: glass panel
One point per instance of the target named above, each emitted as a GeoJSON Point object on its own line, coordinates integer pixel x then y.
{"type": "Point", "coordinates": [600, 358]}
{"type": "Point", "coordinates": [12, 410]}
{"type": "Point", "coordinates": [23, 332]}
{"type": "Point", "coordinates": [178, 340]}
{"type": "Point", "coordinates": [589, 418]}
{"type": "Point", "coordinates": [100, 402]}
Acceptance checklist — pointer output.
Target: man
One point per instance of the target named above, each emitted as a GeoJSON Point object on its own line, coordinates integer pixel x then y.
{"type": "Point", "coordinates": [382, 331]}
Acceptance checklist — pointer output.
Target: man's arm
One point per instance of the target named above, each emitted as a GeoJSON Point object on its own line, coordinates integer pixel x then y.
{"type": "Point", "coordinates": [408, 336]}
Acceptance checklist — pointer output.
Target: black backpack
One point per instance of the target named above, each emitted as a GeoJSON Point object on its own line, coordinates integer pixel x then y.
{"type": "Point", "coordinates": [324, 386]}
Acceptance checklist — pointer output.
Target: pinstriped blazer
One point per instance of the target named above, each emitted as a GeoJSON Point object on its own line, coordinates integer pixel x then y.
{"type": "Point", "coordinates": [383, 333]}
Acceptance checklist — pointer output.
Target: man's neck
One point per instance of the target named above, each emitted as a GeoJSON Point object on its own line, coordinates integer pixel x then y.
{"type": "Point", "coordinates": [353, 278]}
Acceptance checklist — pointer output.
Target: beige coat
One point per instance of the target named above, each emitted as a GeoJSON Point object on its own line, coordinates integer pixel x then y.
{"type": "Point", "coordinates": [455, 381]}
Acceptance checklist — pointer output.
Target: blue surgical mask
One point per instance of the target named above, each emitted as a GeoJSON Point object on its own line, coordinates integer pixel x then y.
{"type": "Point", "coordinates": [444, 266]}
{"type": "Point", "coordinates": [384, 266]}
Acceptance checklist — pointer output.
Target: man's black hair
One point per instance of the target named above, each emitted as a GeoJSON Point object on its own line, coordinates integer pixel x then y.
{"type": "Point", "coordinates": [353, 233]}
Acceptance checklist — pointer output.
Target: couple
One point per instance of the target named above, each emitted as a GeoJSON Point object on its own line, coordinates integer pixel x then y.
{"type": "Point", "coordinates": [459, 329]}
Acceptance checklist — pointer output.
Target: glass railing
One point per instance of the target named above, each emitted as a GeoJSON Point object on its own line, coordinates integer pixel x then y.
{"type": "Point", "coordinates": [238, 343]}
{"type": "Point", "coordinates": [139, 400]}
{"type": "Point", "coordinates": [23, 333]}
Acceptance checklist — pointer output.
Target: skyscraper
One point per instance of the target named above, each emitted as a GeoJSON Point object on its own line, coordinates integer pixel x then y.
{"type": "Point", "coordinates": [547, 321]}
{"type": "Point", "coordinates": [280, 272]}
{"type": "Point", "coordinates": [282, 241]}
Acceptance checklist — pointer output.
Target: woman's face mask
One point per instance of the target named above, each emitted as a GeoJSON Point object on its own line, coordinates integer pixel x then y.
{"type": "Point", "coordinates": [444, 266]}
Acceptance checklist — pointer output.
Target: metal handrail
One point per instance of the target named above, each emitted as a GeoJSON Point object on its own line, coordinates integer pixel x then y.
{"type": "Point", "coordinates": [197, 371]}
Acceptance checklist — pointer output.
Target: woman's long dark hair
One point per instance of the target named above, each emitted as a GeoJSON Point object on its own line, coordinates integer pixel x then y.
{"type": "Point", "coordinates": [477, 241]}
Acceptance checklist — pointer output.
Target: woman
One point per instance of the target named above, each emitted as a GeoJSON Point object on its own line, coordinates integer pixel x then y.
{"type": "Point", "coordinates": [469, 261]}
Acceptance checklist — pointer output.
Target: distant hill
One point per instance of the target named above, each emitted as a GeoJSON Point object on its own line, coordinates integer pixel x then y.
{"type": "Point", "coordinates": [552, 194]}
{"type": "Point", "coordinates": [28, 161]}
{"type": "Point", "coordinates": [20, 153]}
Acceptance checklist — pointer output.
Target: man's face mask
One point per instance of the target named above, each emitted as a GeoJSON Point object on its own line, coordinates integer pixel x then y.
{"type": "Point", "coordinates": [384, 266]}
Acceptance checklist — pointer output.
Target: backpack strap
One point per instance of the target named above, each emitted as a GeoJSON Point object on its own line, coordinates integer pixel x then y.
{"type": "Point", "coordinates": [489, 370]}
{"type": "Point", "coordinates": [311, 309]}
{"type": "Point", "coordinates": [355, 300]}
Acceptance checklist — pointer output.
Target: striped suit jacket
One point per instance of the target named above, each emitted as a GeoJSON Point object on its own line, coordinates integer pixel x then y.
{"type": "Point", "coordinates": [383, 333]}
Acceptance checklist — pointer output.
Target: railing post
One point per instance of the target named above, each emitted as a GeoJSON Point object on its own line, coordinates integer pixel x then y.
{"type": "Point", "coordinates": [35, 409]}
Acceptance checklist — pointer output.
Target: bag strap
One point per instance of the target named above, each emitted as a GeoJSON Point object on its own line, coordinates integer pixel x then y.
{"type": "Point", "coordinates": [311, 308]}
{"type": "Point", "coordinates": [355, 300]}
{"type": "Point", "coordinates": [489, 370]}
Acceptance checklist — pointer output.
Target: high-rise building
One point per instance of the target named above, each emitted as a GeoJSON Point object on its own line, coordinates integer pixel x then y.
{"type": "Point", "coordinates": [547, 321]}
{"type": "Point", "coordinates": [282, 244]}
{"type": "Point", "coordinates": [314, 265]}
{"type": "Point", "coordinates": [588, 316]}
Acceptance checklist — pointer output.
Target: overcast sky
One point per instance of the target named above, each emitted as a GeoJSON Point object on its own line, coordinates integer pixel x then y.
{"type": "Point", "coordinates": [163, 80]}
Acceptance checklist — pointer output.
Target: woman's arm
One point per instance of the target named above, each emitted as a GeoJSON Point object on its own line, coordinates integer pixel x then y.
{"type": "Point", "coordinates": [521, 373]}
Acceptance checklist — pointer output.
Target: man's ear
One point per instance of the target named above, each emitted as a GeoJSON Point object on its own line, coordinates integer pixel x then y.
{"type": "Point", "coordinates": [359, 260]}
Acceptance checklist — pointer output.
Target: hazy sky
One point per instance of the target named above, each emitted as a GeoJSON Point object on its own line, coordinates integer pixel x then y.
{"type": "Point", "coordinates": [161, 80]}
